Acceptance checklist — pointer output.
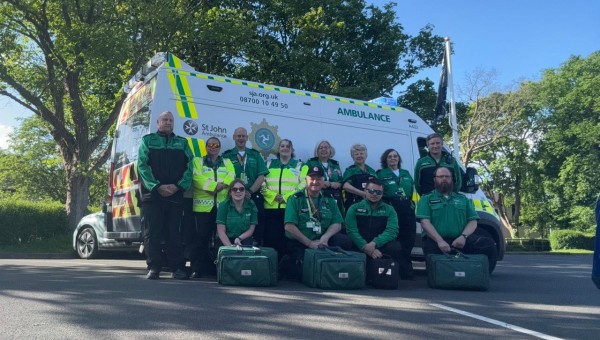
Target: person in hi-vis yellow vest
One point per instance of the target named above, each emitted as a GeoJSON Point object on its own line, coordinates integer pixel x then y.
{"type": "Point", "coordinates": [285, 178]}
{"type": "Point", "coordinates": [212, 176]}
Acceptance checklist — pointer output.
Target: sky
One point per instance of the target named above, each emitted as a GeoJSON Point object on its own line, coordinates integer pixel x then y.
{"type": "Point", "coordinates": [517, 39]}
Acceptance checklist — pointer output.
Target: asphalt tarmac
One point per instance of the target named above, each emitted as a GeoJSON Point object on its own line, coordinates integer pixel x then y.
{"type": "Point", "coordinates": [543, 296]}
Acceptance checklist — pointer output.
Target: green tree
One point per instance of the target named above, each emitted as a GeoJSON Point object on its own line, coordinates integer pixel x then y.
{"type": "Point", "coordinates": [339, 47]}
{"type": "Point", "coordinates": [66, 61]}
{"type": "Point", "coordinates": [568, 155]}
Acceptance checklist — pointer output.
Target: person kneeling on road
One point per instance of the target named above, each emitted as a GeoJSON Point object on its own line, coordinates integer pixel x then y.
{"type": "Point", "coordinates": [449, 220]}
{"type": "Point", "coordinates": [373, 225]}
{"type": "Point", "coordinates": [312, 220]}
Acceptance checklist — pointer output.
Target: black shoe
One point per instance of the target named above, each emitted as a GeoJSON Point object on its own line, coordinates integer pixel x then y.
{"type": "Point", "coordinates": [180, 274]}
{"type": "Point", "coordinates": [153, 274]}
{"type": "Point", "coordinates": [196, 275]}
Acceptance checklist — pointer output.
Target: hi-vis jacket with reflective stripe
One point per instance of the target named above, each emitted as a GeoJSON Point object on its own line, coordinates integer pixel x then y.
{"type": "Point", "coordinates": [284, 179]}
{"type": "Point", "coordinates": [206, 178]}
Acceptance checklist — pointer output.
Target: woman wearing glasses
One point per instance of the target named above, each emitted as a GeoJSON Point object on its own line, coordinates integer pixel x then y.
{"type": "Point", "coordinates": [398, 192]}
{"type": "Point", "coordinates": [236, 217]}
{"type": "Point", "coordinates": [332, 181]}
{"type": "Point", "coordinates": [212, 176]}
{"type": "Point", "coordinates": [284, 179]}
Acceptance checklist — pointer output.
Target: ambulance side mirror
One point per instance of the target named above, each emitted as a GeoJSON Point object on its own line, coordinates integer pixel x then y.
{"type": "Point", "coordinates": [470, 181]}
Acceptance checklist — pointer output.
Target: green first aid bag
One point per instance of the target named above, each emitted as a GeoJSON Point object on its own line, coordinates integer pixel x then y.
{"type": "Point", "coordinates": [247, 266]}
{"type": "Point", "coordinates": [459, 271]}
{"type": "Point", "coordinates": [334, 268]}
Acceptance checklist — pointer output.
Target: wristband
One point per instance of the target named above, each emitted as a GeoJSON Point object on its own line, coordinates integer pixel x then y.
{"type": "Point", "coordinates": [463, 235]}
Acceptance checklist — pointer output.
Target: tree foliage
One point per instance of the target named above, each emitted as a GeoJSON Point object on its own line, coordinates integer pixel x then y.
{"type": "Point", "coordinates": [568, 155]}
{"type": "Point", "coordinates": [67, 63]}
{"type": "Point", "coordinates": [338, 47]}
{"type": "Point", "coordinates": [539, 148]}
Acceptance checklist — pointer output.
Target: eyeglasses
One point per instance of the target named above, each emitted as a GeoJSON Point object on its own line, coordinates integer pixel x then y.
{"type": "Point", "coordinates": [213, 145]}
{"type": "Point", "coordinates": [443, 176]}
{"type": "Point", "coordinates": [238, 189]}
{"type": "Point", "coordinates": [324, 147]}
{"type": "Point", "coordinates": [375, 192]}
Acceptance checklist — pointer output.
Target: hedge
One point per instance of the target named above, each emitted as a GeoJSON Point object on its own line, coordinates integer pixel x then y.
{"type": "Point", "coordinates": [571, 239]}
{"type": "Point", "coordinates": [527, 244]}
{"type": "Point", "coordinates": [24, 221]}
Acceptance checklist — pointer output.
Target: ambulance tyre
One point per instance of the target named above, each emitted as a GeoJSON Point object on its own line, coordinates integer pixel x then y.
{"type": "Point", "coordinates": [482, 232]}
{"type": "Point", "coordinates": [87, 243]}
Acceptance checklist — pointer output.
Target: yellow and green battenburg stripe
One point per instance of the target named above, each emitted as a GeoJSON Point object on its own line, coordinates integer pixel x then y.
{"type": "Point", "coordinates": [181, 90]}
{"type": "Point", "coordinates": [198, 146]}
{"type": "Point", "coordinates": [182, 74]}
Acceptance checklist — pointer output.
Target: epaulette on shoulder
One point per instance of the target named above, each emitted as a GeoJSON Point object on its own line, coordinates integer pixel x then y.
{"type": "Point", "coordinates": [299, 194]}
{"type": "Point", "coordinates": [253, 151]}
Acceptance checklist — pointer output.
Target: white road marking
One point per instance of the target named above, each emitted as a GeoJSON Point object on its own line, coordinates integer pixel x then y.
{"type": "Point", "coordinates": [496, 322]}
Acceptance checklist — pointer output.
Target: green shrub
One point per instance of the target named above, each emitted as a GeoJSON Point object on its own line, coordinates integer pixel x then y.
{"type": "Point", "coordinates": [25, 221]}
{"type": "Point", "coordinates": [527, 244]}
{"type": "Point", "coordinates": [571, 239]}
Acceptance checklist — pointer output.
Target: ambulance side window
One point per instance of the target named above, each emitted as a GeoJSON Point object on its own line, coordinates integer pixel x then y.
{"type": "Point", "coordinates": [129, 135]}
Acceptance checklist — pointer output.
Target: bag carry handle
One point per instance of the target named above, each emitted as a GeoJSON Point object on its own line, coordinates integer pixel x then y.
{"type": "Point", "coordinates": [456, 253]}
{"type": "Point", "coordinates": [241, 248]}
{"type": "Point", "coordinates": [333, 250]}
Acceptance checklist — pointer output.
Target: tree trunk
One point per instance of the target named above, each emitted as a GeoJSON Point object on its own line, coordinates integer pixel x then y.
{"type": "Point", "coordinates": [78, 194]}
{"type": "Point", "coordinates": [498, 202]}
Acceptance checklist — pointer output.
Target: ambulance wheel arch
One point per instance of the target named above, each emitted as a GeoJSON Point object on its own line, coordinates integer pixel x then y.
{"type": "Point", "coordinates": [488, 225]}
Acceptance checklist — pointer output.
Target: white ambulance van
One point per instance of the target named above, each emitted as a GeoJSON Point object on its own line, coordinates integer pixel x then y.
{"type": "Point", "coordinates": [206, 105]}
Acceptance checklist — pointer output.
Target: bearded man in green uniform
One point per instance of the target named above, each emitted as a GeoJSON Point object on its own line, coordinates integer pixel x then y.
{"type": "Point", "coordinates": [449, 220]}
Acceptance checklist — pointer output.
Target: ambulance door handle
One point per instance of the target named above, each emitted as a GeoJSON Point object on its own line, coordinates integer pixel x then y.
{"type": "Point", "coordinates": [214, 88]}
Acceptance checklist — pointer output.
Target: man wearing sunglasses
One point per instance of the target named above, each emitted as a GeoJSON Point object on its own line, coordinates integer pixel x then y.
{"type": "Point", "coordinates": [449, 220]}
{"type": "Point", "coordinates": [373, 225]}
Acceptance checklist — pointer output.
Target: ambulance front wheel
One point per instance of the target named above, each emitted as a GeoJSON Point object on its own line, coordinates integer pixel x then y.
{"type": "Point", "coordinates": [87, 243]}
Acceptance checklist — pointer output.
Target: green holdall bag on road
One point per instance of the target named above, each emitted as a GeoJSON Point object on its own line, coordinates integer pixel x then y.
{"type": "Point", "coordinates": [334, 268]}
{"type": "Point", "coordinates": [247, 266]}
{"type": "Point", "coordinates": [458, 271]}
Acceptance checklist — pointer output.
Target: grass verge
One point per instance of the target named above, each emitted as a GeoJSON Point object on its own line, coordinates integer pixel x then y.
{"type": "Point", "coordinates": [573, 251]}
{"type": "Point", "coordinates": [60, 244]}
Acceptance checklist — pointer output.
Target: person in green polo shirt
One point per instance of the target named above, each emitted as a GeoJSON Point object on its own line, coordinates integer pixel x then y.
{"type": "Point", "coordinates": [356, 176]}
{"type": "Point", "coordinates": [251, 168]}
{"type": "Point", "coordinates": [398, 192]}
{"type": "Point", "coordinates": [311, 220]}
{"type": "Point", "coordinates": [449, 220]}
{"type": "Point", "coordinates": [236, 217]}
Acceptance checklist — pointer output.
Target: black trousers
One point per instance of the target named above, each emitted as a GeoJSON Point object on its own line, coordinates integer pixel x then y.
{"type": "Point", "coordinates": [259, 229]}
{"type": "Point", "coordinates": [274, 232]}
{"type": "Point", "coordinates": [475, 244]}
{"type": "Point", "coordinates": [392, 249]}
{"type": "Point", "coordinates": [206, 226]}
{"type": "Point", "coordinates": [407, 232]}
{"type": "Point", "coordinates": [162, 224]}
